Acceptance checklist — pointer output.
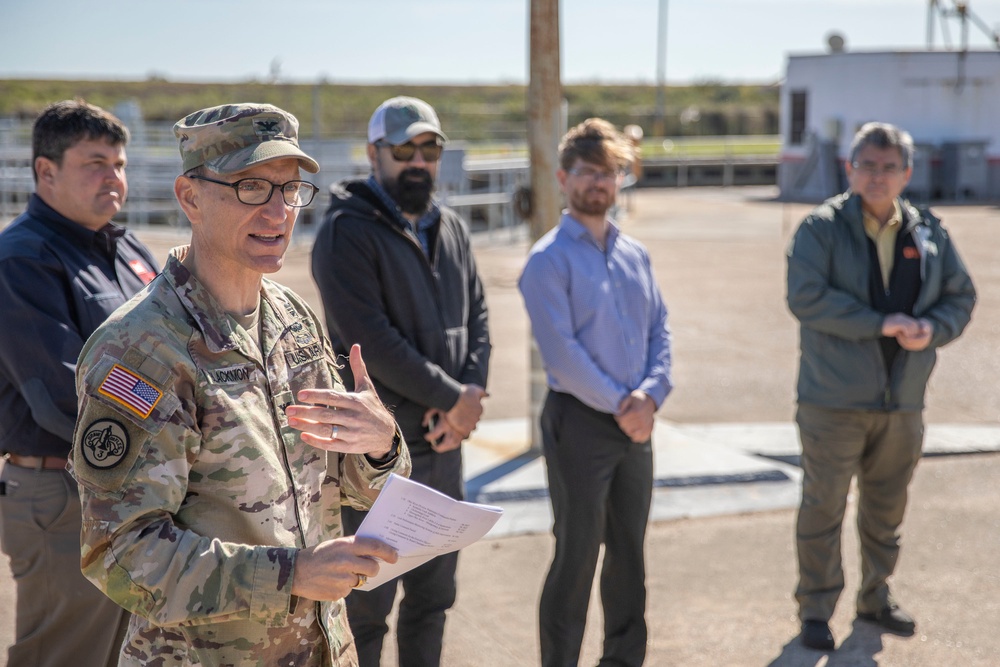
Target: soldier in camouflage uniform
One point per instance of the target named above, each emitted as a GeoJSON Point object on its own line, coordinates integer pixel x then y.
{"type": "Point", "coordinates": [216, 442]}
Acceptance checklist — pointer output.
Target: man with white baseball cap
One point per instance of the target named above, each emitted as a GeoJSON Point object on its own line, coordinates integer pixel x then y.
{"type": "Point", "coordinates": [400, 119]}
{"type": "Point", "coordinates": [397, 275]}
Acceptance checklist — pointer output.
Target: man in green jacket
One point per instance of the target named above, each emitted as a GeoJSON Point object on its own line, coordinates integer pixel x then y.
{"type": "Point", "coordinates": [877, 287]}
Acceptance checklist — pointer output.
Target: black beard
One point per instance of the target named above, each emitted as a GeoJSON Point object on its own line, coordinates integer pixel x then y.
{"type": "Point", "coordinates": [411, 190]}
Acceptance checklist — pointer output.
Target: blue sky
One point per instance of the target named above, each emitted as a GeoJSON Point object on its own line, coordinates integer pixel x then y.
{"type": "Point", "coordinates": [453, 41]}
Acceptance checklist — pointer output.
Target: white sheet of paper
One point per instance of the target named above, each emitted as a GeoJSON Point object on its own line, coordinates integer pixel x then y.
{"type": "Point", "coordinates": [421, 523]}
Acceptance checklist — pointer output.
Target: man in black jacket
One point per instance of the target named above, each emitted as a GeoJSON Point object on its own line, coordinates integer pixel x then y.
{"type": "Point", "coordinates": [397, 275]}
{"type": "Point", "coordinates": [63, 269]}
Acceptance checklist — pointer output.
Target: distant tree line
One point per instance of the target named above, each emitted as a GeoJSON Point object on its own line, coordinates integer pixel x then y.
{"type": "Point", "coordinates": [468, 112]}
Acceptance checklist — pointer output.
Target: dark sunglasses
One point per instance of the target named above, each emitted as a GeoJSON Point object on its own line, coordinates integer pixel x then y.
{"type": "Point", "coordinates": [404, 152]}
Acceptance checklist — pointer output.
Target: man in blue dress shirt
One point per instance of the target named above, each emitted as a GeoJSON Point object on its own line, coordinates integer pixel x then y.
{"type": "Point", "coordinates": [601, 327]}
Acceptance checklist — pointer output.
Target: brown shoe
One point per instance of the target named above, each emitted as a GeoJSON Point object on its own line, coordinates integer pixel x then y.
{"type": "Point", "coordinates": [891, 618]}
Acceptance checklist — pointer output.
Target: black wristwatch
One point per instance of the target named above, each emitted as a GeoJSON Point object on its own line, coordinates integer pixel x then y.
{"type": "Point", "coordinates": [393, 451]}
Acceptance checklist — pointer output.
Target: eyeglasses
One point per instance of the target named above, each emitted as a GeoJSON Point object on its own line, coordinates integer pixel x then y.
{"type": "Point", "coordinates": [594, 175]}
{"type": "Point", "coordinates": [873, 168]}
{"type": "Point", "coordinates": [404, 152]}
{"type": "Point", "coordinates": [258, 191]}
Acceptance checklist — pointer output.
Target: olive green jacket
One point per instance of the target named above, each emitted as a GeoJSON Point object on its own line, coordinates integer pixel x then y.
{"type": "Point", "coordinates": [841, 364]}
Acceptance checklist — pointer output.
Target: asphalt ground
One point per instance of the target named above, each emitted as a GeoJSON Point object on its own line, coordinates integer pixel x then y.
{"type": "Point", "coordinates": [720, 586]}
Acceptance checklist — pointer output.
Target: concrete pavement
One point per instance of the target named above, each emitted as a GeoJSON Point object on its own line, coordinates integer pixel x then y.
{"type": "Point", "coordinates": [720, 587]}
{"type": "Point", "coordinates": [700, 470]}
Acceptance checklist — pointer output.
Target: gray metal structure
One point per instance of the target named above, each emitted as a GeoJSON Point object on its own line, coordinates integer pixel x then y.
{"type": "Point", "coordinates": [482, 190]}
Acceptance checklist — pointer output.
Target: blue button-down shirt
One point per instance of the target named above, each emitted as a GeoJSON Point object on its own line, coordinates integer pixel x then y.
{"type": "Point", "coordinates": [597, 315]}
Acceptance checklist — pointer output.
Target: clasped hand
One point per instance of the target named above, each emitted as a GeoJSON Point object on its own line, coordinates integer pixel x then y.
{"type": "Point", "coordinates": [912, 334]}
{"type": "Point", "coordinates": [635, 416]}
{"type": "Point", "coordinates": [447, 430]}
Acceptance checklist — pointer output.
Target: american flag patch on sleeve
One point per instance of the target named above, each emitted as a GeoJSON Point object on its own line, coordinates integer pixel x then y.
{"type": "Point", "coordinates": [128, 389]}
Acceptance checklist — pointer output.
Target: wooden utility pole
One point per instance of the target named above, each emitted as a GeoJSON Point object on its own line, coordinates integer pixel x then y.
{"type": "Point", "coordinates": [660, 122]}
{"type": "Point", "coordinates": [545, 128]}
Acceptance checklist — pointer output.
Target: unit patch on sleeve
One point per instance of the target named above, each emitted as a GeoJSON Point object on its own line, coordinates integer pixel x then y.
{"type": "Point", "coordinates": [128, 389]}
{"type": "Point", "coordinates": [104, 443]}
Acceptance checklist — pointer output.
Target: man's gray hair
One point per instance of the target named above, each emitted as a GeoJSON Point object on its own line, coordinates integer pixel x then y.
{"type": "Point", "coordinates": [883, 135]}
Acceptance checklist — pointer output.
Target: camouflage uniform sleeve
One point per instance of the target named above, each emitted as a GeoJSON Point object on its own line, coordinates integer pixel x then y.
{"type": "Point", "coordinates": [134, 443]}
{"type": "Point", "coordinates": [360, 480]}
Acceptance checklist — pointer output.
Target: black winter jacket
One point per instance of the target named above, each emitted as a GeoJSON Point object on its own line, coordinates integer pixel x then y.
{"type": "Point", "coordinates": [58, 282]}
{"type": "Point", "coordinates": [421, 324]}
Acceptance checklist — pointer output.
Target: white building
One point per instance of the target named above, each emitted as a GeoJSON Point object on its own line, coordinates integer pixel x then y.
{"type": "Point", "coordinates": [948, 100]}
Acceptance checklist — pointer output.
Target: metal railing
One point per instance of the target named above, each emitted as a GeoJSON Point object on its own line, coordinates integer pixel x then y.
{"type": "Point", "coordinates": [481, 188]}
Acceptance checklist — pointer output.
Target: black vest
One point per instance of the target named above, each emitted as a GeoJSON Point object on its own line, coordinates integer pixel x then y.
{"type": "Point", "coordinates": [904, 285]}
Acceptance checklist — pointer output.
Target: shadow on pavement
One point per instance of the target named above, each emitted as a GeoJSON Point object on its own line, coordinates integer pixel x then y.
{"type": "Point", "coordinates": [859, 649]}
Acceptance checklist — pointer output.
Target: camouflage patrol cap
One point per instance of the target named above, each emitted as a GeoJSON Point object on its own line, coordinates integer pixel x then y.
{"type": "Point", "coordinates": [232, 137]}
{"type": "Point", "coordinates": [399, 119]}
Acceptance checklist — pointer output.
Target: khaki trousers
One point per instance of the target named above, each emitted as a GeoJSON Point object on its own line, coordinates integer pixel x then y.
{"type": "Point", "coordinates": [882, 449]}
{"type": "Point", "coordinates": [62, 619]}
